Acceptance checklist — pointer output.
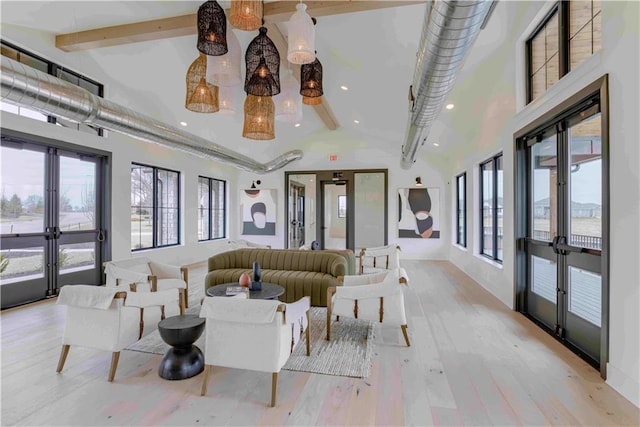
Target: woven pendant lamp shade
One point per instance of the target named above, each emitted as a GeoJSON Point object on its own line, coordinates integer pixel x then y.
{"type": "Point", "coordinates": [311, 79]}
{"type": "Point", "coordinates": [212, 29]}
{"type": "Point", "coordinates": [288, 102]}
{"type": "Point", "coordinates": [224, 70]}
{"type": "Point", "coordinates": [306, 100]}
{"type": "Point", "coordinates": [262, 60]}
{"type": "Point", "coordinates": [246, 15]}
{"type": "Point", "coordinates": [201, 97]}
{"type": "Point", "coordinates": [302, 37]}
{"type": "Point", "coordinates": [259, 118]}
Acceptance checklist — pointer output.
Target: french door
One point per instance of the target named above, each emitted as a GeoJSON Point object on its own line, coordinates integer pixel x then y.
{"type": "Point", "coordinates": [51, 220]}
{"type": "Point", "coordinates": [562, 251]}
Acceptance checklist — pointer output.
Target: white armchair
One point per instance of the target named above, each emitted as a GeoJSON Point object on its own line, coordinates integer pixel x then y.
{"type": "Point", "coordinates": [375, 297]}
{"type": "Point", "coordinates": [382, 258]}
{"type": "Point", "coordinates": [98, 317]}
{"type": "Point", "coordinates": [257, 335]}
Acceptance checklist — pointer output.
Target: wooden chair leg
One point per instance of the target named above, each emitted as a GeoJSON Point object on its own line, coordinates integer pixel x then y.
{"type": "Point", "coordinates": [274, 387]}
{"type": "Point", "coordinates": [186, 297]}
{"type": "Point", "coordinates": [114, 365]}
{"type": "Point", "coordinates": [162, 316]}
{"type": "Point", "coordinates": [63, 357]}
{"type": "Point", "coordinates": [181, 302]}
{"type": "Point", "coordinates": [328, 323]}
{"type": "Point", "coordinates": [205, 378]}
{"type": "Point", "coordinates": [141, 322]}
{"type": "Point", "coordinates": [308, 334]}
{"type": "Point", "coordinates": [406, 337]}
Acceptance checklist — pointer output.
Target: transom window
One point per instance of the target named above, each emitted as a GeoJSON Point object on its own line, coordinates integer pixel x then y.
{"type": "Point", "coordinates": [18, 54]}
{"type": "Point", "coordinates": [491, 211]}
{"type": "Point", "coordinates": [155, 207]}
{"type": "Point", "coordinates": [568, 35]}
{"type": "Point", "coordinates": [461, 209]}
{"type": "Point", "coordinates": [212, 208]}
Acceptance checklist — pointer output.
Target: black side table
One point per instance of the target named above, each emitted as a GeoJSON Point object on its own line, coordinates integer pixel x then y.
{"type": "Point", "coordinates": [183, 360]}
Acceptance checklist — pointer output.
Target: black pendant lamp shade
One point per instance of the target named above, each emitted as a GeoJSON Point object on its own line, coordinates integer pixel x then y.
{"type": "Point", "coordinates": [212, 29]}
{"type": "Point", "coordinates": [262, 66]}
{"type": "Point", "coordinates": [311, 79]}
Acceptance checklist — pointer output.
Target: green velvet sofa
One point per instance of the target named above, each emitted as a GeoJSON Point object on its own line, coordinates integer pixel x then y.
{"type": "Point", "coordinates": [300, 273]}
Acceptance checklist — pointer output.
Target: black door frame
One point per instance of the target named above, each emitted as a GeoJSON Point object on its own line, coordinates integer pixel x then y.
{"type": "Point", "coordinates": [103, 204]}
{"type": "Point", "coordinates": [598, 88]}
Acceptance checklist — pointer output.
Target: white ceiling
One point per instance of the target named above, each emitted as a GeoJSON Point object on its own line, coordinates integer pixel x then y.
{"type": "Point", "coordinates": [373, 53]}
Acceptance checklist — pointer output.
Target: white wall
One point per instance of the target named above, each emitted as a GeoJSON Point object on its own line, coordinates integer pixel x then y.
{"type": "Point", "coordinates": [505, 114]}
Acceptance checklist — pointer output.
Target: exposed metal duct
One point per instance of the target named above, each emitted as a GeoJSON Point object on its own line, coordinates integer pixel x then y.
{"type": "Point", "coordinates": [28, 87]}
{"type": "Point", "coordinates": [450, 28]}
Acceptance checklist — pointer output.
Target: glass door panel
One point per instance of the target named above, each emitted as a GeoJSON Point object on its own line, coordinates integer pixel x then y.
{"type": "Point", "coordinates": [544, 189]}
{"type": "Point", "coordinates": [334, 219]}
{"type": "Point", "coordinates": [369, 204]}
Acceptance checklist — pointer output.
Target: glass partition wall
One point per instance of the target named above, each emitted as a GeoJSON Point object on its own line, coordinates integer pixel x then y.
{"type": "Point", "coordinates": [336, 209]}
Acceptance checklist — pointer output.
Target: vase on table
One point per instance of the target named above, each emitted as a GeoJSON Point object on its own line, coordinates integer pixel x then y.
{"type": "Point", "coordinates": [256, 283]}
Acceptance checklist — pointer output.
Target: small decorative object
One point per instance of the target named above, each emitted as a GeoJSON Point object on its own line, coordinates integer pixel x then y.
{"type": "Point", "coordinates": [262, 77]}
{"type": "Point", "coordinates": [259, 118]}
{"type": "Point", "coordinates": [311, 79]}
{"type": "Point", "coordinates": [245, 280]}
{"type": "Point", "coordinates": [212, 29]}
{"type": "Point", "coordinates": [302, 37]}
{"type": "Point", "coordinates": [201, 97]}
{"type": "Point", "coordinates": [256, 284]}
{"type": "Point", "coordinates": [246, 14]}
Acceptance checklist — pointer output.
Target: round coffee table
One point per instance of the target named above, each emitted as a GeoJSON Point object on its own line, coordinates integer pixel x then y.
{"type": "Point", "coordinates": [268, 291]}
{"type": "Point", "coordinates": [183, 360]}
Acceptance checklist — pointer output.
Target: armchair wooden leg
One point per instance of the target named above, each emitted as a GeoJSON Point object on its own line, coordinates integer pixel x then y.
{"type": "Point", "coordinates": [331, 290]}
{"type": "Point", "coordinates": [63, 357]}
{"type": "Point", "coordinates": [274, 387]}
{"type": "Point", "coordinates": [205, 378]}
{"type": "Point", "coordinates": [141, 322]}
{"type": "Point", "coordinates": [186, 298]}
{"type": "Point", "coordinates": [181, 302]}
{"type": "Point", "coordinates": [406, 337]}
{"type": "Point", "coordinates": [308, 334]}
{"type": "Point", "coordinates": [162, 316]}
{"type": "Point", "coordinates": [114, 365]}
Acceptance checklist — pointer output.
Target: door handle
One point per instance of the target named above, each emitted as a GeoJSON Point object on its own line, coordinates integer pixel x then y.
{"type": "Point", "coordinates": [554, 245]}
{"type": "Point", "coordinates": [569, 248]}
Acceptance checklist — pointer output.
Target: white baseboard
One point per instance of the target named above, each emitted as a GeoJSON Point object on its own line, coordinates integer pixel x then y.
{"type": "Point", "coordinates": [623, 384]}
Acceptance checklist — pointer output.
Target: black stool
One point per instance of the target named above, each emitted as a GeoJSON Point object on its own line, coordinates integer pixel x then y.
{"type": "Point", "coordinates": [183, 360]}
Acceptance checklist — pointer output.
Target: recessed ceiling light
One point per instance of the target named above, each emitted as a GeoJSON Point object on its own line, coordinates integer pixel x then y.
{"type": "Point", "coordinates": [183, 123]}
{"type": "Point", "coordinates": [356, 121]}
{"type": "Point", "coordinates": [450, 107]}
{"type": "Point", "coordinates": [343, 87]}
{"type": "Point", "coordinates": [435, 144]}
{"type": "Point", "coordinates": [297, 125]}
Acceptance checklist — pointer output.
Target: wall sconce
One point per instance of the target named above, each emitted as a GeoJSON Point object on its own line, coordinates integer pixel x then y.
{"type": "Point", "coordinates": [418, 181]}
{"type": "Point", "coordinates": [254, 183]}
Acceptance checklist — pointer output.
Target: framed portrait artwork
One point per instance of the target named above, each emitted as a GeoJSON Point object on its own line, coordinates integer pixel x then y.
{"type": "Point", "coordinates": [258, 210]}
{"type": "Point", "coordinates": [419, 213]}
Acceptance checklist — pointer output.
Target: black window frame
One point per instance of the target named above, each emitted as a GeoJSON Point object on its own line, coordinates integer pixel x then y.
{"type": "Point", "coordinates": [494, 207]}
{"type": "Point", "coordinates": [562, 7]}
{"type": "Point", "coordinates": [155, 207]}
{"type": "Point", "coordinates": [55, 70]}
{"type": "Point", "coordinates": [210, 208]}
{"type": "Point", "coordinates": [461, 239]}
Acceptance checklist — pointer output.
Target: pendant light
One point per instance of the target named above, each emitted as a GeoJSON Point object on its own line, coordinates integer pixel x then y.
{"type": "Point", "coordinates": [246, 15]}
{"type": "Point", "coordinates": [201, 97]}
{"type": "Point", "coordinates": [224, 70]}
{"type": "Point", "coordinates": [212, 29]}
{"type": "Point", "coordinates": [307, 100]}
{"type": "Point", "coordinates": [262, 77]}
{"type": "Point", "coordinates": [311, 79]}
{"type": "Point", "coordinates": [288, 102]}
{"type": "Point", "coordinates": [302, 37]}
{"type": "Point", "coordinates": [227, 100]}
{"type": "Point", "coordinates": [259, 118]}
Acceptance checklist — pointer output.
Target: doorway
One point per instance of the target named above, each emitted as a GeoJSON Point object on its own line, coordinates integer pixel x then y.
{"type": "Point", "coordinates": [562, 258]}
{"type": "Point", "coordinates": [296, 214]}
{"type": "Point", "coordinates": [52, 221]}
{"type": "Point", "coordinates": [334, 215]}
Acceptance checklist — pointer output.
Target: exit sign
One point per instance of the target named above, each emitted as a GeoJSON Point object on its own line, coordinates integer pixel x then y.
{"type": "Point", "coordinates": [333, 157]}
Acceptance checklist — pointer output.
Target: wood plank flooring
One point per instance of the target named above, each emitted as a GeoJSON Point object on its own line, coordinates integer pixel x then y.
{"type": "Point", "coordinates": [472, 362]}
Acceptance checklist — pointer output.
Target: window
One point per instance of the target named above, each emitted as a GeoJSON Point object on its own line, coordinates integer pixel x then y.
{"type": "Point", "coordinates": [461, 209]}
{"type": "Point", "coordinates": [155, 210]}
{"type": "Point", "coordinates": [491, 210]}
{"type": "Point", "coordinates": [569, 34]}
{"type": "Point", "coordinates": [34, 61]}
{"type": "Point", "coordinates": [212, 208]}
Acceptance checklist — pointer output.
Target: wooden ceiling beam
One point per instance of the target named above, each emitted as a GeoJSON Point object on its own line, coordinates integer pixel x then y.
{"type": "Point", "coordinates": [323, 110]}
{"type": "Point", "coordinates": [157, 29]}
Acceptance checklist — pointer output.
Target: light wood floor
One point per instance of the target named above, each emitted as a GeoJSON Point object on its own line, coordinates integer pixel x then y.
{"type": "Point", "coordinates": [472, 362]}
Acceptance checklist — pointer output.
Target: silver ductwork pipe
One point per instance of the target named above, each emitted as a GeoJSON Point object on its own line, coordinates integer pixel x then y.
{"type": "Point", "coordinates": [27, 87]}
{"type": "Point", "coordinates": [449, 30]}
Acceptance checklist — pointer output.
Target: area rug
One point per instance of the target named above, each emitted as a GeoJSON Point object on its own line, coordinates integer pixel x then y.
{"type": "Point", "coordinates": [348, 354]}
